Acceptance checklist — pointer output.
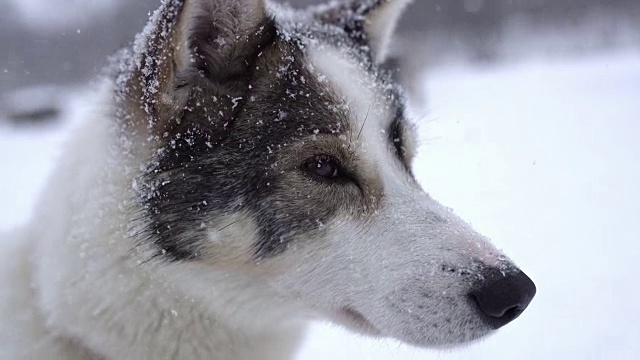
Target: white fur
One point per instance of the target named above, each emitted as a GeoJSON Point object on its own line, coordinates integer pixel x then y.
{"type": "Point", "coordinates": [75, 286]}
{"type": "Point", "coordinates": [404, 244]}
{"type": "Point", "coordinates": [78, 288]}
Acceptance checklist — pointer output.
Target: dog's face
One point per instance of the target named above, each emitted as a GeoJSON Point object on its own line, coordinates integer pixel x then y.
{"type": "Point", "coordinates": [281, 154]}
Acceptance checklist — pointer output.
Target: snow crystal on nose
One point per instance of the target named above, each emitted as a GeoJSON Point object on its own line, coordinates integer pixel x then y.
{"type": "Point", "coordinates": [483, 252]}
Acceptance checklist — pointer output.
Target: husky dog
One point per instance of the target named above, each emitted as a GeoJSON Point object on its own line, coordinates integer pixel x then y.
{"type": "Point", "coordinates": [246, 168]}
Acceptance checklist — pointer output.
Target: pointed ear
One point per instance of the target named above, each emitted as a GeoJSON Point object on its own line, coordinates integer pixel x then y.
{"type": "Point", "coordinates": [370, 21]}
{"type": "Point", "coordinates": [209, 44]}
{"type": "Point", "coordinates": [218, 38]}
{"type": "Point", "coordinates": [381, 23]}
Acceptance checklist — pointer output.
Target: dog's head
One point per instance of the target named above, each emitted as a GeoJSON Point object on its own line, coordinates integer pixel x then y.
{"type": "Point", "coordinates": [279, 152]}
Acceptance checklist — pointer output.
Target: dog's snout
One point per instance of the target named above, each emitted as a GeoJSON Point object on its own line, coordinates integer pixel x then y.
{"type": "Point", "coordinates": [501, 298]}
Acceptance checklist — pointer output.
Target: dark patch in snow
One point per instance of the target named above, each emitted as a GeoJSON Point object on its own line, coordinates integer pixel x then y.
{"type": "Point", "coordinates": [36, 104]}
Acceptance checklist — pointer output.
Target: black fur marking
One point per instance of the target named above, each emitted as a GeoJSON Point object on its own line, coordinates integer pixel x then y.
{"type": "Point", "coordinates": [238, 152]}
{"type": "Point", "coordinates": [397, 131]}
{"type": "Point", "coordinates": [209, 169]}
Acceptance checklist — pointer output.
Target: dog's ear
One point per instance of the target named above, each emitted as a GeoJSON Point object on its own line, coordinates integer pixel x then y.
{"type": "Point", "coordinates": [217, 39]}
{"type": "Point", "coordinates": [208, 45]}
{"type": "Point", "coordinates": [371, 22]}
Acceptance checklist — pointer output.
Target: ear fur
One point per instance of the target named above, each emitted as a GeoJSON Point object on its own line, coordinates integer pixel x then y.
{"type": "Point", "coordinates": [207, 45]}
{"type": "Point", "coordinates": [218, 37]}
{"type": "Point", "coordinates": [368, 21]}
{"type": "Point", "coordinates": [381, 23]}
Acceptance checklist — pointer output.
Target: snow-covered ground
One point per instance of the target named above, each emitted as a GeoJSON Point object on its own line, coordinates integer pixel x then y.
{"type": "Point", "coordinates": [542, 156]}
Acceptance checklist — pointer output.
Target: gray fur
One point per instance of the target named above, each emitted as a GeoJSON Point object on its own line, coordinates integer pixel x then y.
{"type": "Point", "coordinates": [238, 130]}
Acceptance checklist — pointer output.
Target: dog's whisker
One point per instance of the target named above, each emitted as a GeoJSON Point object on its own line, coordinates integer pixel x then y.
{"type": "Point", "coordinates": [228, 225]}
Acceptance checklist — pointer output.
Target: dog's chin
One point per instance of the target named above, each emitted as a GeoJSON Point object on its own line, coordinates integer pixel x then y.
{"type": "Point", "coordinates": [355, 321]}
{"type": "Point", "coordinates": [451, 339]}
{"type": "Point", "coordinates": [457, 345]}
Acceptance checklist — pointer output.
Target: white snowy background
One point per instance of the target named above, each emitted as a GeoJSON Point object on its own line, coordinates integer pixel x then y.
{"type": "Point", "coordinates": [540, 154]}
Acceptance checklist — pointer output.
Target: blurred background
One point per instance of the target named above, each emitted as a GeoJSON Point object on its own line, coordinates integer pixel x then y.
{"type": "Point", "coordinates": [64, 42]}
{"type": "Point", "coordinates": [529, 117]}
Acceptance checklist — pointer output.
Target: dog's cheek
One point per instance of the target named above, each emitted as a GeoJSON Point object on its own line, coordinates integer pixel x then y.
{"type": "Point", "coordinates": [230, 241]}
{"type": "Point", "coordinates": [295, 209]}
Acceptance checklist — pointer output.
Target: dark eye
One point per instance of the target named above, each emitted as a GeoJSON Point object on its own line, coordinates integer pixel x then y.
{"type": "Point", "coordinates": [322, 166]}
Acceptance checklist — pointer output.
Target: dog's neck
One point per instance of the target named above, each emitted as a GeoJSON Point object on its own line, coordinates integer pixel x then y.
{"type": "Point", "coordinates": [104, 298]}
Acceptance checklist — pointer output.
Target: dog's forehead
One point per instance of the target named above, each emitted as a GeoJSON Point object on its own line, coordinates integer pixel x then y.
{"type": "Point", "coordinates": [371, 99]}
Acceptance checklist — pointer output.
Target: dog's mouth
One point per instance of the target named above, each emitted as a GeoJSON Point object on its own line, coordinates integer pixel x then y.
{"type": "Point", "coordinates": [357, 321]}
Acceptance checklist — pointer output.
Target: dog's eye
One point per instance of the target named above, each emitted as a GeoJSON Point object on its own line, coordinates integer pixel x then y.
{"type": "Point", "coordinates": [322, 166]}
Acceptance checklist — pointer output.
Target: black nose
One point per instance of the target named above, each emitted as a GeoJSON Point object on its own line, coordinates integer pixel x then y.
{"type": "Point", "coordinates": [502, 297]}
